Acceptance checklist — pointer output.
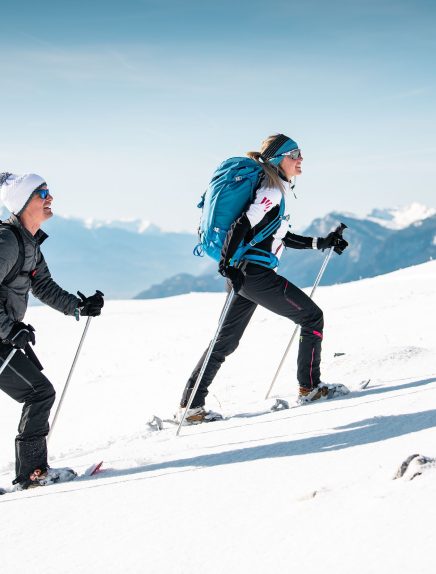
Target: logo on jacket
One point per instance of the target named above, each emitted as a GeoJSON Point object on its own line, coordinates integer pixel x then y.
{"type": "Point", "coordinates": [267, 203]}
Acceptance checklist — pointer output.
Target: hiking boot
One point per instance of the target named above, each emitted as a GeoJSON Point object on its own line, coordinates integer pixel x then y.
{"type": "Point", "coordinates": [321, 392]}
{"type": "Point", "coordinates": [49, 476]}
{"type": "Point", "coordinates": [197, 416]}
{"type": "Point", "coordinates": [307, 395]}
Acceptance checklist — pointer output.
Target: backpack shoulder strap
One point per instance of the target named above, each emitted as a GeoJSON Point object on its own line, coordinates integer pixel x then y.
{"type": "Point", "coordinates": [271, 227]}
{"type": "Point", "coordinates": [264, 258]}
{"type": "Point", "coordinates": [18, 265]}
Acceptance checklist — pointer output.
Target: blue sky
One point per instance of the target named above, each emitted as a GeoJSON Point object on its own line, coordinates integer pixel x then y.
{"type": "Point", "coordinates": [126, 108]}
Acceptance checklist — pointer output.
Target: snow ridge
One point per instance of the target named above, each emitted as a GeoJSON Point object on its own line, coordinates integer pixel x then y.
{"type": "Point", "coordinates": [401, 217]}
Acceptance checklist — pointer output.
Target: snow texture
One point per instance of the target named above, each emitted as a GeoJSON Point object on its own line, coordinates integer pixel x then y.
{"type": "Point", "coordinates": [306, 490]}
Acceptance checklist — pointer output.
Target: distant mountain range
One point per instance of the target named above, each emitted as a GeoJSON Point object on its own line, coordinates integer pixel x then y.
{"type": "Point", "coordinates": [384, 241]}
{"type": "Point", "coordinates": [128, 259]}
{"type": "Point", "coordinates": [120, 258]}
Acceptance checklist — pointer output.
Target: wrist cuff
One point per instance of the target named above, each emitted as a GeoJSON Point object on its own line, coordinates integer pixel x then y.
{"type": "Point", "coordinates": [315, 243]}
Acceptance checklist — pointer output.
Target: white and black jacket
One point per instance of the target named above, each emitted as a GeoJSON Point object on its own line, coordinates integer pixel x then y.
{"type": "Point", "coordinates": [260, 213]}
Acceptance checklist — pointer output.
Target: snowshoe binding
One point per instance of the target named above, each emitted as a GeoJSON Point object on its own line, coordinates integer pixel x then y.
{"type": "Point", "coordinates": [46, 477]}
{"type": "Point", "coordinates": [323, 391]}
{"type": "Point", "coordinates": [197, 416]}
{"type": "Point", "coordinates": [414, 465]}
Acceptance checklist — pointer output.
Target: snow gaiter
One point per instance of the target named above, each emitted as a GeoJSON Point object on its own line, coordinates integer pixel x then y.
{"type": "Point", "coordinates": [29, 455]}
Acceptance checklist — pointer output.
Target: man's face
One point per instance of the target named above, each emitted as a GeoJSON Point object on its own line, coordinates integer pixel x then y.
{"type": "Point", "coordinates": [39, 208]}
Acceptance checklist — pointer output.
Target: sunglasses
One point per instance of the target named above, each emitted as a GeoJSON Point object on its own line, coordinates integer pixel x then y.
{"type": "Point", "coordinates": [293, 154]}
{"type": "Point", "coordinates": [42, 193]}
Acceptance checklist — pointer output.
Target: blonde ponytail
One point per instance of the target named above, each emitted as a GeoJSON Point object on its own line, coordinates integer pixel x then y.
{"type": "Point", "coordinates": [271, 171]}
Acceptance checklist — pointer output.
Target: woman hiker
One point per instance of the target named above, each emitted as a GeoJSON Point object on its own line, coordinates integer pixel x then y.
{"type": "Point", "coordinates": [255, 284]}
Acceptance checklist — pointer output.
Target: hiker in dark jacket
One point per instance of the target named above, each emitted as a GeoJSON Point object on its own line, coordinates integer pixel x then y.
{"type": "Point", "coordinates": [258, 284]}
{"type": "Point", "coordinates": [23, 269]}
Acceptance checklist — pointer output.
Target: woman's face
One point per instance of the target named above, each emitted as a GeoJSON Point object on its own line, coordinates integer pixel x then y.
{"type": "Point", "coordinates": [291, 167]}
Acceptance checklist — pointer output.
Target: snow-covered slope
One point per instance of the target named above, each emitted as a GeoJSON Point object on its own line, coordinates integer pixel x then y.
{"type": "Point", "coordinates": [308, 489]}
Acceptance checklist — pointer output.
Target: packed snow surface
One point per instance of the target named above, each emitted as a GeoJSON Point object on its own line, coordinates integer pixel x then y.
{"type": "Point", "coordinates": [308, 490]}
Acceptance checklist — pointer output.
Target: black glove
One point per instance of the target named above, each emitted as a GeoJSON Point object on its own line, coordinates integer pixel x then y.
{"type": "Point", "coordinates": [21, 335]}
{"type": "Point", "coordinates": [235, 275]}
{"type": "Point", "coordinates": [91, 306]}
{"type": "Point", "coordinates": [335, 240]}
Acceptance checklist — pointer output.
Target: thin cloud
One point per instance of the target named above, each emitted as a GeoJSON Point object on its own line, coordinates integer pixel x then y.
{"type": "Point", "coordinates": [413, 93]}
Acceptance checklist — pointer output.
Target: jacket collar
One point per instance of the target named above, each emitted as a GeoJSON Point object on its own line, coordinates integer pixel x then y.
{"type": "Point", "coordinates": [283, 177]}
{"type": "Point", "coordinates": [38, 238]}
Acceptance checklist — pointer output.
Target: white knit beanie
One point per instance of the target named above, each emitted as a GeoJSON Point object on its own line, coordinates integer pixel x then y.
{"type": "Point", "coordinates": [17, 189]}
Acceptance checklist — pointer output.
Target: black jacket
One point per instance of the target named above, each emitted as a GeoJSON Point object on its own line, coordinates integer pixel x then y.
{"type": "Point", "coordinates": [35, 276]}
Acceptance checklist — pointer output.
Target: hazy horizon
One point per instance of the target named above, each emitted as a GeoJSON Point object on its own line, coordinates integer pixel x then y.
{"type": "Point", "coordinates": [126, 110]}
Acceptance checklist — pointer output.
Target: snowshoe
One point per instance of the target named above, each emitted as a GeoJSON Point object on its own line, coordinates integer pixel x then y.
{"type": "Point", "coordinates": [280, 405]}
{"type": "Point", "coordinates": [414, 466]}
{"type": "Point", "coordinates": [323, 391]}
{"type": "Point", "coordinates": [197, 416]}
{"type": "Point", "coordinates": [47, 477]}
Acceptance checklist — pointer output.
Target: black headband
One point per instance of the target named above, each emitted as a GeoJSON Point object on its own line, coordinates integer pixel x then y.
{"type": "Point", "coordinates": [274, 146]}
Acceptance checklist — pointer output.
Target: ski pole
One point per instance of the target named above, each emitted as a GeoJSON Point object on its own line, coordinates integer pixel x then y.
{"type": "Point", "coordinates": [7, 360]}
{"type": "Point", "coordinates": [339, 230]}
{"type": "Point", "coordinates": [207, 357]}
{"type": "Point", "coordinates": [85, 330]}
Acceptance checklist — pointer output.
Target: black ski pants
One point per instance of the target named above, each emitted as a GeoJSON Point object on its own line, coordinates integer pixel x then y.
{"type": "Point", "coordinates": [22, 381]}
{"type": "Point", "coordinates": [264, 287]}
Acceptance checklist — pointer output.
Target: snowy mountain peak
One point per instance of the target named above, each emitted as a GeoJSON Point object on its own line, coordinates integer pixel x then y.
{"type": "Point", "coordinates": [401, 217]}
{"type": "Point", "coordinates": [133, 225]}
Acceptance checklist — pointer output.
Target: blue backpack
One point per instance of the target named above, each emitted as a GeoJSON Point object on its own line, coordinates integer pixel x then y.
{"type": "Point", "coordinates": [231, 190]}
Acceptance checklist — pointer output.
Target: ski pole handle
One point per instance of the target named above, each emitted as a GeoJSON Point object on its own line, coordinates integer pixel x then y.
{"type": "Point", "coordinates": [341, 228]}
